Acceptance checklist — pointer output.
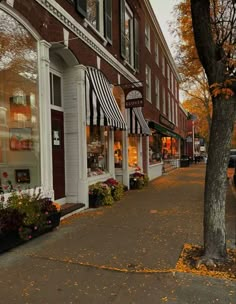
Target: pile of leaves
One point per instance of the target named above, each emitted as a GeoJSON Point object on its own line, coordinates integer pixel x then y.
{"type": "Point", "coordinates": [191, 254]}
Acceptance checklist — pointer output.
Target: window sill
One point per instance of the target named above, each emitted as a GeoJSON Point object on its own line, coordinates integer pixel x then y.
{"type": "Point", "coordinates": [88, 24]}
{"type": "Point", "coordinates": [126, 63]}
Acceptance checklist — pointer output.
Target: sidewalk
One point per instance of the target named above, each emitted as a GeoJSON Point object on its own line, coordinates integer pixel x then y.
{"type": "Point", "coordinates": [124, 254]}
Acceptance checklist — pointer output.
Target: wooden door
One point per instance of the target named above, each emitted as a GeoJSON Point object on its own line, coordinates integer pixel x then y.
{"type": "Point", "coordinates": [58, 154]}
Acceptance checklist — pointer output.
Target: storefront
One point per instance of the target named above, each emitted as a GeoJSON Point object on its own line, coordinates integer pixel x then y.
{"type": "Point", "coordinates": [164, 146]}
{"type": "Point", "coordinates": [128, 153]}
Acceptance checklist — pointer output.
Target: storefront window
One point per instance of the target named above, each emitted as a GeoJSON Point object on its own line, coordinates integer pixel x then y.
{"type": "Point", "coordinates": [169, 147]}
{"type": "Point", "coordinates": [118, 149]}
{"type": "Point", "coordinates": [133, 151]}
{"type": "Point", "coordinates": [97, 150]}
{"type": "Point", "coordinates": [19, 108]}
{"type": "Point", "coordinates": [154, 149]}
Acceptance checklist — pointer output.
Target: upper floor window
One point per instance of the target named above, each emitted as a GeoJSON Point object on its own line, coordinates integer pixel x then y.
{"type": "Point", "coordinates": [147, 36]}
{"type": "Point", "coordinates": [148, 83]}
{"type": "Point", "coordinates": [169, 107]}
{"type": "Point", "coordinates": [163, 65]}
{"type": "Point", "coordinates": [168, 76]}
{"type": "Point", "coordinates": [95, 14]}
{"type": "Point", "coordinates": [164, 100]}
{"type": "Point", "coordinates": [176, 90]}
{"type": "Point", "coordinates": [157, 93]}
{"type": "Point", "coordinates": [99, 15]}
{"type": "Point", "coordinates": [176, 114]}
{"type": "Point", "coordinates": [129, 35]}
{"type": "Point", "coordinates": [157, 52]}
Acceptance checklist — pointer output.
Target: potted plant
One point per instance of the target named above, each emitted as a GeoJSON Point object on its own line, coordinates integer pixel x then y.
{"type": "Point", "coordinates": [138, 180]}
{"type": "Point", "coordinates": [99, 195]}
{"type": "Point", "coordinates": [25, 216]}
{"type": "Point", "coordinates": [117, 189]}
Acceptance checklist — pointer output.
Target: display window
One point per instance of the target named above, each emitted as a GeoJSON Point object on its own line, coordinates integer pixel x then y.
{"type": "Point", "coordinates": [155, 144]}
{"type": "Point", "coordinates": [19, 108]}
{"type": "Point", "coordinates": [118, 149]}
{"type": "Point", "coordinates": [97, 150]}
{"type": "Point", "coordinates": [133, 151]}
{"type": "Point", "coordinates": [169, 147]}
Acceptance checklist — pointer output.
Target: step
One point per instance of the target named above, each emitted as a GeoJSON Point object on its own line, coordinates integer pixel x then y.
{"type": "Point", "coordinates": [70, 207]}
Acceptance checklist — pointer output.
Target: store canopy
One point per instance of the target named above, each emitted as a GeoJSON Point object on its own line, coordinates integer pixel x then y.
{"type": "Point", "coordinates": [101, 106]}
{"type": "Point", "coordinates": [162, 130]}
{"type": "Point", "coordinates": [136, 122]}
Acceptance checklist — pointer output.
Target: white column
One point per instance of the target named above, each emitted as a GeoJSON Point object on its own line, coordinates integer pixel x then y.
{"type": "Point", "coordinates": [82, 141]}
{"type": "Point", "coordinates": [125, 158]}
{"type": "Point", "coordinates": [111, 164]}
{"type": "Point", "coordinates": [140, 152]}
{"type": "Point", "coordinates": [147, 153]}
{"type": "Point", "coordinates": [45, 119]}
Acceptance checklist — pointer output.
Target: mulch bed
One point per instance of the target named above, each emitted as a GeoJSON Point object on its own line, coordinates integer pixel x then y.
{"type": "Point", "coordinates": [192, 253]}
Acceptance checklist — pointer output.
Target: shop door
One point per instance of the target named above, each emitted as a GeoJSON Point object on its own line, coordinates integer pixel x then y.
{"type": "Point", "coordinates": [58, 154]}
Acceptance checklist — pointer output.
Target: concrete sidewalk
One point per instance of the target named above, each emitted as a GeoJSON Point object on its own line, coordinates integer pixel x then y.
{"type": "Point", "coordinates": [124, 254]}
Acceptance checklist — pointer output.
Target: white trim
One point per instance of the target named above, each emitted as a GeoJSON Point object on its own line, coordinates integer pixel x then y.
{"type": "Point", "coordinates": [45, 118]}
{"type": "Point", "coordinates": [66, 37]}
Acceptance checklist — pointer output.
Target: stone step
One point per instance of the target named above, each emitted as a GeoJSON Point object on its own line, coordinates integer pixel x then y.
{"type": "Point", "coordinates": [70, 207]}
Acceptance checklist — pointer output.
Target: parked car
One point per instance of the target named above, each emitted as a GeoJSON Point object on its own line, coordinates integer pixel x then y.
{"type": "Point", "coordinates": [232, 158]}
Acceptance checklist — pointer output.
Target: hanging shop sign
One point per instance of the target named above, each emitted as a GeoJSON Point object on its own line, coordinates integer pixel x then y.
{"type": "Point", "coordinates": [133, 96]}
{"type": "Point", "coordinates": [164, 121]}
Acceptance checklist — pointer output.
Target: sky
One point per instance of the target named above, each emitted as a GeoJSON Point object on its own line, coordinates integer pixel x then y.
{"type": "Point", "coordinates": [163, 9]}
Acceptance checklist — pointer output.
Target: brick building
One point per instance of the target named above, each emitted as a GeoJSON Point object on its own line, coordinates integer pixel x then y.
{"type": "Point", "coordinates": [65, 67]}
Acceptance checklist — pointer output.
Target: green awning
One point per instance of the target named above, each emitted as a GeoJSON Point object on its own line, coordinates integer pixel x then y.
{"type": "Point", "coordinates": [162, 129]}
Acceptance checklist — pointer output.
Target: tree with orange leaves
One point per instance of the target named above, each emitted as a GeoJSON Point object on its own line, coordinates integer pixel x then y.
{"type": "Point", "coordinates": [208, 29]}
{"type": "Point", "coordinates": [194, 81]}
{"type": "Point", "coordinates": [214, 28]}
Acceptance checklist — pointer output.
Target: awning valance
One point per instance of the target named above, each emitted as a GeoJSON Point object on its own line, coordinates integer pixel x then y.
{"type": "Point", "coordinates": [101, 106]}
{"type": "Point", "coordinates": [162, 130]}
{"type": "Point", "coordinates": [136, 122]}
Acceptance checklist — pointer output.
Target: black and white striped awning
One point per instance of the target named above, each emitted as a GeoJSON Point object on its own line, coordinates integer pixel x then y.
{"type": "Point", "coordinates": [101, 106]}
{"type": "Point", "coordinates": [136, 122]}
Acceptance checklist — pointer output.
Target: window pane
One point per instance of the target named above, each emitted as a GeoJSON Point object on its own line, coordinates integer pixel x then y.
{"type": "Point", "coordinates": [19, 108]}
{"type": "Point", "coordinates": [133, 151]}
{"type": "Point", "coordinates": [118, 149]}
{"type": "Point", "coordinates": [93, 13]}
{"type": "Point", "coordinates": [57, 91]}
{"type": "Point", "coordinates": [97, 150]}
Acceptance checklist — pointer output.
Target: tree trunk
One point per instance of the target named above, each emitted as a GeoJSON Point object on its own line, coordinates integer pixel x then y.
{"type": "Point", "coordinates": [216, 178]}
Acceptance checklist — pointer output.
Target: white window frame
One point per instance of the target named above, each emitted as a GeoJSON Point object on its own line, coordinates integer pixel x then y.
{"type": "Point", "coordinates": [147, 36]}
{"type": "Point", "coordinates": [53, 106]}
{"type": "Point", "coordinates": [157, 93]}
{"type": "Point", "coordinates": [148, 83]}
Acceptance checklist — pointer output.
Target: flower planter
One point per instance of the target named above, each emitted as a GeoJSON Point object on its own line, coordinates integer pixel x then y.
{"type": "Point", "coordinates": [95, 201]}
{"type": "Point", "coordinates": [11, 239]}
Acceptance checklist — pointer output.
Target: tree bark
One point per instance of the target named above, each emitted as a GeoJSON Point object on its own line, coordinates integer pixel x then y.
{"type": "Point", "coordinates": [216, 178]}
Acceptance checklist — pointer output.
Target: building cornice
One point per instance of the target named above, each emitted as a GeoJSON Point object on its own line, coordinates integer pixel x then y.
{"type": "Point", "coordinates": [74, 26]}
